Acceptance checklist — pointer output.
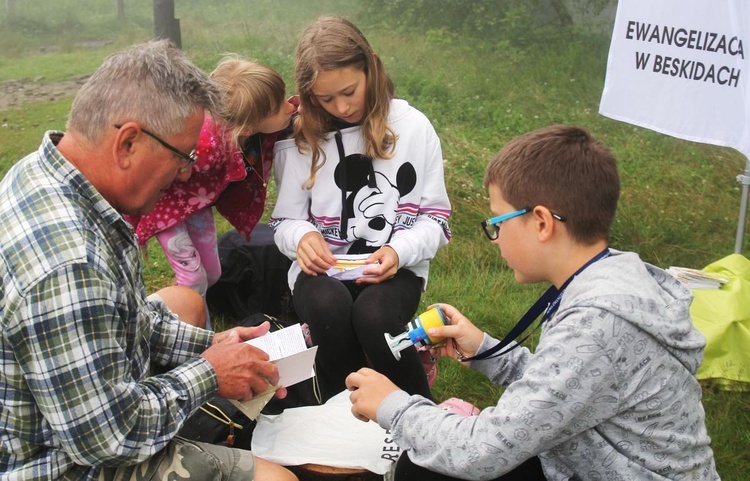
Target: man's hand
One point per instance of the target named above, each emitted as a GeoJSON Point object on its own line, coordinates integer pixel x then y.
{"type": "Point", "coordinates": [369, 388]}
{"type": "Point", "coordinates": [245, 333]}
{"type": "Point", "coordinates": [243, 370]}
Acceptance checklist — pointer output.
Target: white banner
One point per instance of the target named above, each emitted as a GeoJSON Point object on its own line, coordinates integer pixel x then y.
{"type": "Point", "coordinates": [680, 67]}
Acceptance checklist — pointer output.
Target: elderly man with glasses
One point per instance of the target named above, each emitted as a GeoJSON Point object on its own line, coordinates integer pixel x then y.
{"type": "Point", "coordinates": [79, 335]}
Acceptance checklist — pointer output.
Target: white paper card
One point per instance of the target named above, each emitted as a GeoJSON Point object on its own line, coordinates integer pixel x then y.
{"type": "Point", "coordinates": [287, 349]}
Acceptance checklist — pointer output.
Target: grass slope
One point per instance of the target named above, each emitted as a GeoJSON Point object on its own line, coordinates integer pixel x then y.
{"type": "Point", "coordinates": [679, 202]}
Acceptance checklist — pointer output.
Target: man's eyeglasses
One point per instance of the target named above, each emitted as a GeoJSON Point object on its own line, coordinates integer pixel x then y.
{"type": "Point", "coordinates": [188, 158]}
{"type": "Point", "coordinates": [491, 227]}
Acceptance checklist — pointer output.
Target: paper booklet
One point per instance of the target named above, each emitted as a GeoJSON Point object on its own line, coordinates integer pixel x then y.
{"type": "Point", "coordinates": [696, 279]}
{"type": "Point", "coordinates": [287, 349]}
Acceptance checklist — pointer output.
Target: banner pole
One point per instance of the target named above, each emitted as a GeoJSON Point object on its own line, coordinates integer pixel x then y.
{"type": "Point", "coordinates": [744, 179]}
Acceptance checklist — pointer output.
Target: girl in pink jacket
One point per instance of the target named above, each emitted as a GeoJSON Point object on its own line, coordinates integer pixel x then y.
{"type": "Point", "coordinates": [234, 156]}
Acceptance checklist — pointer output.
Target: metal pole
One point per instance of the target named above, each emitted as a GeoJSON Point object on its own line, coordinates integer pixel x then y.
{"type": "Point", "coordinates": [744, 179]}
{"type": "Point", "coordinates": [165, 25]}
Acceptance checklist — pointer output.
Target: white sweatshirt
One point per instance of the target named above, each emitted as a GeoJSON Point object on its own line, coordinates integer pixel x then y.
{"type": "Point", "coordinates": [400, 202]}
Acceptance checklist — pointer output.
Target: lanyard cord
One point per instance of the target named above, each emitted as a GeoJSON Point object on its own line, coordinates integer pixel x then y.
{"type": "Point", "coordinates": [547, 303]}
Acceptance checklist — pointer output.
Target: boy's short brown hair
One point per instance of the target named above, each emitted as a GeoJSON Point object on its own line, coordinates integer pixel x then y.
{"type": "Point", "coordinates": [564, 169]}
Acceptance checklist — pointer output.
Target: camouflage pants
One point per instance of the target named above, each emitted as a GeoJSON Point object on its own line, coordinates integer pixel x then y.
{"type": "Point", "coordinates": [183, 459]}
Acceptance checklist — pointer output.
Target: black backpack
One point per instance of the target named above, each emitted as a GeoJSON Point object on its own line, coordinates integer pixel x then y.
{"type": "Point", "coordinates": [252, 289]}
{"type": "Point", "coordinates": [253, 277]}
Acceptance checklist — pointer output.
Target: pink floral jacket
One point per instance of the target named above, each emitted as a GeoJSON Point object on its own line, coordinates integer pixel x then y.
{"type": "Point", "coordinates": [220, 179]}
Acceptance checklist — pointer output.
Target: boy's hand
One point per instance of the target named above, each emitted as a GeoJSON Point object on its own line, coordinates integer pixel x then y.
{"type": "Point", "coordinates": [466, 336]}
{"type": "Point", "coordinates": [369, 388]}
{"type": "Point", "coordinates": [313, 254]}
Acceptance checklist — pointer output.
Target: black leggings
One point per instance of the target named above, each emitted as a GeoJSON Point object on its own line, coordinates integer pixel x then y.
{"type": "Point", "coordinates": [529, 470]}
{"type": "Point", "coordinates": [347, 322]}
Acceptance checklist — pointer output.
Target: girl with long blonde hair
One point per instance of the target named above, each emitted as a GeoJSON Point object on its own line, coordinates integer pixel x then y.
{"type": "Point", "coordinates": [362, 177]}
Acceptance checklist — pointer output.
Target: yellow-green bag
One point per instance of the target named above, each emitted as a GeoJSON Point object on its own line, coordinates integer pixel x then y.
{"type": "Point", "coordinates": [723, 316]}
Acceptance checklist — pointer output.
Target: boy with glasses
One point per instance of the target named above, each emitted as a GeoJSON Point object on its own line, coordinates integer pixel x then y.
{"type": "Point", "coordinates": [610, 391]}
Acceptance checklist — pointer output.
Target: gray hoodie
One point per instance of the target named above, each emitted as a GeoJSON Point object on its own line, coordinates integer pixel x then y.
{"type": "Point", "coordinates": [609, 394]}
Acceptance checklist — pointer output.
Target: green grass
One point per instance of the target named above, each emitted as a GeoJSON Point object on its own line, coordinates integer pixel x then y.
{"type": "Point", "coordinates": [679, 204]}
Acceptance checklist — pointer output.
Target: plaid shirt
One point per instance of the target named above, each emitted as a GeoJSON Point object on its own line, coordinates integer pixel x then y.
{"type": "Point", "coordinates": [79, 336]}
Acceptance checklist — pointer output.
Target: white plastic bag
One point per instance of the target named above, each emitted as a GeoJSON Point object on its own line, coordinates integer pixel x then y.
{"type": "Point", "coordinates": [328, 435]}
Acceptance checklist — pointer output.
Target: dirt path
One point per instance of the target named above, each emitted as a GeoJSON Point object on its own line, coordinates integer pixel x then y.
{"type": "Point", "coordinates": [16, 93]}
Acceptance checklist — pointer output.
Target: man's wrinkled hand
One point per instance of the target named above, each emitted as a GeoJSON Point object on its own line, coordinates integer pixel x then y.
{"type": "Point", "coordinates": [243, 371]}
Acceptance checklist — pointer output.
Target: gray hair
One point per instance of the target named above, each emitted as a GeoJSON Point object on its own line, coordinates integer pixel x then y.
{"type": "Point", "coordinates": [153, 83]}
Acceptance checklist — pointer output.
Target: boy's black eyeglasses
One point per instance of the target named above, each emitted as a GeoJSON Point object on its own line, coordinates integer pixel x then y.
{"type": "Point", "coordinates": [491, 227]}
{"type": "Point", "coordinates": [188, 158]}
